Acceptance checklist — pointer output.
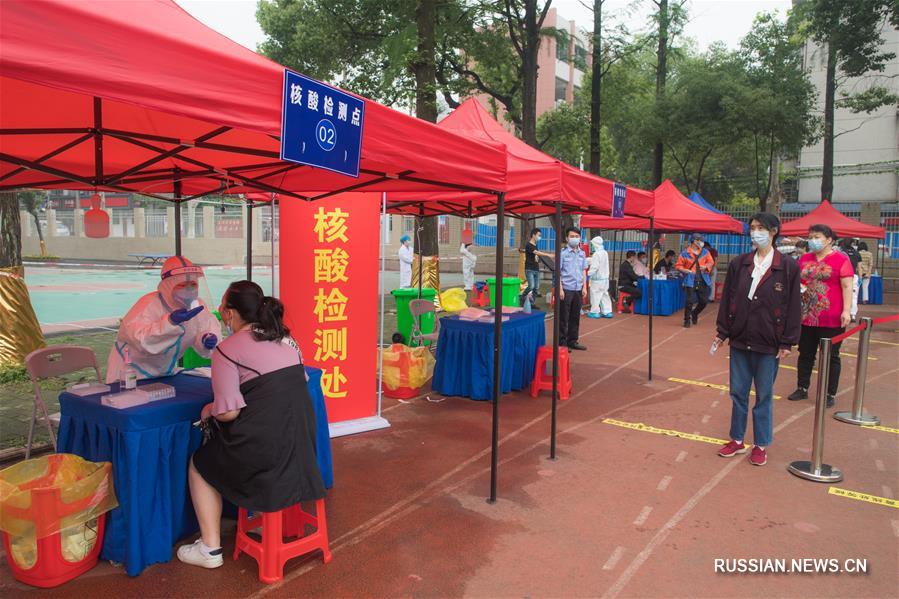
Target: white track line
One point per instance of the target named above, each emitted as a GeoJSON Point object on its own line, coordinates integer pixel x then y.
{"type": "Point", "coordinates": [643, 516]}
{"type": "Point", "coordinates": [614, 558]}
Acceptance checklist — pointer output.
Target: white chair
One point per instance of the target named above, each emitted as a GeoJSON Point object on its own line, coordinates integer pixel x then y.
{"type": "Point", "coordinates": [51, 362]}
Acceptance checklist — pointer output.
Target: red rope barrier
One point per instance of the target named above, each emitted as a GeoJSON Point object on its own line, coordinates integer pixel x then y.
{"type": "Point", "coordinates": [848, 333]}
{"type": "Point", "coordinates": [886, 319]}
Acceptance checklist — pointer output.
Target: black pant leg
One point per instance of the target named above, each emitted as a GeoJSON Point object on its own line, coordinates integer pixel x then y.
{"type": "Point", "coordinates": [808, 348]}
{"type": "Point", "coordinates": [836, 365]}
{"type": "Point", "coordinates": [574, 316]}
{"type": "Point", "coordinates": [564, 312]}
{"type": "Point", "coordinates": [701, 298]}
{"type": "Point", "coordinates": [688, 305]}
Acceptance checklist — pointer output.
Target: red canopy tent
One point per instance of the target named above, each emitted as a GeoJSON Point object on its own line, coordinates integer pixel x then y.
{"type": "Point", "coordinates": [143, 97]}
{"type": "Point", "coordinates": [673, 212]}
{"type": "Point", "coordinates": [537, 182]}
{"type": "Point", "coordinates": [826, 214]}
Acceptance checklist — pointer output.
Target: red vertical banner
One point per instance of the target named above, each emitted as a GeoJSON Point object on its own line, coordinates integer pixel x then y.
{"type": "Point", "coordinates": [329, 286]}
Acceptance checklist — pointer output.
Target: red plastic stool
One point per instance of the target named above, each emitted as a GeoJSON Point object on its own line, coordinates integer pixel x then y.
{"type": "Point", "coordinates": [271, 552]}
{"type": "Point", "coordinates": [621, 296]}
{"type": "Point", "coordinates": [480, 295]}
{"type": "Point", "coordinates": [543, 376]}
{"type": "Point", "coordinates": [51, 568]}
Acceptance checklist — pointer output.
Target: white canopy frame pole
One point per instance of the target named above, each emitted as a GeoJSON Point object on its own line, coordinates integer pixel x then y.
{"type": "Point", "coordinates": [271, 237]}
{"type": "Point", "coordinates": [383, 236]}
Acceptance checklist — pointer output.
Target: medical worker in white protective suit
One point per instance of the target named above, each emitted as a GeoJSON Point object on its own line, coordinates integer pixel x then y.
{"type": "Point", "coordinates": [160, 327]}
{"type": "Point", "coordinates": [600, 301]}
{"type": "Point", "coordinates": [468, 262]}
{"type": "Point", "coordinates": [405, 255]}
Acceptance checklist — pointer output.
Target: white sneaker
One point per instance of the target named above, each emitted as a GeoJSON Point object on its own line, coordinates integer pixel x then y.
{"type": "Point", "coordinates": [194, 555]}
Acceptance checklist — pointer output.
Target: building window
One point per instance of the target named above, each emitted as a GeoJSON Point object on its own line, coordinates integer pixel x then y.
{"type": "Point", "coordinates": [580, 57]}
{"type": "Point", "coordinates": [443, 230]}
{"type": "Point", "coordinates": [408, 224]}
{"type": "Point", "coordinates": [561, 88]}
{"type": "Point", "coordinates": [562, 49]}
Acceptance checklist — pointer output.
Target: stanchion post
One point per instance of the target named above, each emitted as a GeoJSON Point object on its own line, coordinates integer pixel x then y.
{"type": "Point", "coordinates": [816, 470]}
{"type": "Point", "coordinates": [857, 415]}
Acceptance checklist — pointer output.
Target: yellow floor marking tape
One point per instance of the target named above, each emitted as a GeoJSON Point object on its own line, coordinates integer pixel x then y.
{"type": "Point", "coordinates": [885, 429]}
{"type": "Point", "coordinates": [863, 497]}
{"type": "Point", "coordinates": [709, 385]}
{"type": "Point", "coordinates": [846, 353]}
{"type": "Point", "coordinates": [884, 342]}
{"type": "Point", "coordinates": [639, 426]}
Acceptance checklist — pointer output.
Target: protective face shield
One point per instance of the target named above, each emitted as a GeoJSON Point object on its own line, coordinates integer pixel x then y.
{"type": "Point", "coordinates": [596, 242]}
{"type": "Point", "coordinates": [183, 285]}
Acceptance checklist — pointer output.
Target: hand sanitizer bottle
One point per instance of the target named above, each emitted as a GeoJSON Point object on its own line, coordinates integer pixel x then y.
{"type": "Point", "coordinates": [129, 375]}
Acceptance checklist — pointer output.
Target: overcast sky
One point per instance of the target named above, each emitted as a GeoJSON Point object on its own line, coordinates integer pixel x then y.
{"type": "Point", "coordinates": [710, 20]}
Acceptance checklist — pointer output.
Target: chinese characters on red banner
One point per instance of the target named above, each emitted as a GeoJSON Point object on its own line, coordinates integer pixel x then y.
{"type": "Point", "coordinates": [332, 230]}
{"type": "Point", "coordinates": [329, 286]}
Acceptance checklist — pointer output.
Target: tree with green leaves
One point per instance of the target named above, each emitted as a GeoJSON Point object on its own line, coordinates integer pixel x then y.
{"type": "Point", "coordinates": [669, 19]}
{"type": "Point", "coordinates": [775, 106]}
{"type": "Point", "coordinates": [381, 49]}
{"type": "Point", "coordinates": [849, 33]}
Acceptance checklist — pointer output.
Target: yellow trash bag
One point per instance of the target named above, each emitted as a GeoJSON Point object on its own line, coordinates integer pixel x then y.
{"type": "Point", "coordinates": [52, 494]}
{"type": "Point", "coordinates": [453, 300]}
{"type": "Point", "coordinates": [406, 369]}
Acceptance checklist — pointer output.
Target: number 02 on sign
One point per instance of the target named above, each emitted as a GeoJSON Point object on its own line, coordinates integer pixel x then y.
{"type": "Point", "coordinates": [321, 125]}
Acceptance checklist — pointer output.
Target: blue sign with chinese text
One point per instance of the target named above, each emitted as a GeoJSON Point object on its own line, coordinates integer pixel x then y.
{"type": "Point", "coordinates": [619, 194]}
{"type": "Point", "coordinates": [321, 125]}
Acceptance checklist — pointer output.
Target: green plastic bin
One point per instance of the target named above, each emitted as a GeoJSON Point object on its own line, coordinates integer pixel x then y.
{"type": "Point", "coordinates": [191, 359]}
{"type": "Point", "coordinates": [404, 316]}
{"type": "Point", "coordinates": [511, 290]}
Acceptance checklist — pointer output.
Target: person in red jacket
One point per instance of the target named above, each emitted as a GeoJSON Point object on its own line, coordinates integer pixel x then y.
{"type": "Point", "coordinates": [761, 315]}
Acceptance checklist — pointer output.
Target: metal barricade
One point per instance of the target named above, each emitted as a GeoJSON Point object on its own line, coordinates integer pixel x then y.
{"type": "Point", "coordinates": [857, 415]}
{"type": "Point", "coordinates": [815, 469]}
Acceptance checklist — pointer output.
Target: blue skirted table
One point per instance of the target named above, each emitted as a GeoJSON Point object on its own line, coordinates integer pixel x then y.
{"type": "Point", "coordinates": [465, 355]}
{"type": "Point", "coordinates": [875, 290]}
{"type": "Point", "coordinates": [668, 297]}
{"type": "Point", "coordinates": [150, 448]}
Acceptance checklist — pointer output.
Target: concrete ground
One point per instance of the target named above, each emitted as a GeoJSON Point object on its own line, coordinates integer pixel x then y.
{"type": "Point", "coordinates": [622, 512]}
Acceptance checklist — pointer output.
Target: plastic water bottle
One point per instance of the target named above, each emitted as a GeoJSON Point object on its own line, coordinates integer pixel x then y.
{"type": "Point", "coordinates": [527, 304]}
{"type": "Point", "coordinates": [129, 375]}
{"type": "Point", "coordinates": [715, 345]}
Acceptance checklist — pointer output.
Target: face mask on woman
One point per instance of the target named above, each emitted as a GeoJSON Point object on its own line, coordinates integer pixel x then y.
{"type": "Point", "coordinates": [760, 238]}
{"type": "Point", "coordinates": [815, 244]}
{"type": "Point", "coordinates": [573, 242]}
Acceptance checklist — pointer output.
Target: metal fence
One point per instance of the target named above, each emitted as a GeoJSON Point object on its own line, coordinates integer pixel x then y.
{"type": "Point", "coordinates": [65, 223]}
{"type": "Point", "coordinates": [155, 223]}
{"type": "Point", "coordinates": [271, 226]}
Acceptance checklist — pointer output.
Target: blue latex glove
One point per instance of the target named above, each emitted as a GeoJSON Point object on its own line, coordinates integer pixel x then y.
{"type": "Point", "coordinates": [209, 340]}
{"type": "Point", "coordinates": [182, 315]}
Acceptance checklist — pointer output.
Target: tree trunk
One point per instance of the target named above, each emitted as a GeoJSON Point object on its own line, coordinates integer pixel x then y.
{"type": "Point", "coordinates": [596, 88]}
{"type": "Point", "coordinates": [661, 76]}
{"type": "Point", "coordinates": [425, 71]}
{"type": "Point", "coordinates": [10, 231]}
{"type": "Point", "coordinates": [775, 197]}
{"type": "Point", "coordinates": [830, 86]}
{"type": "Point", "coordinates": [531, 47]}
